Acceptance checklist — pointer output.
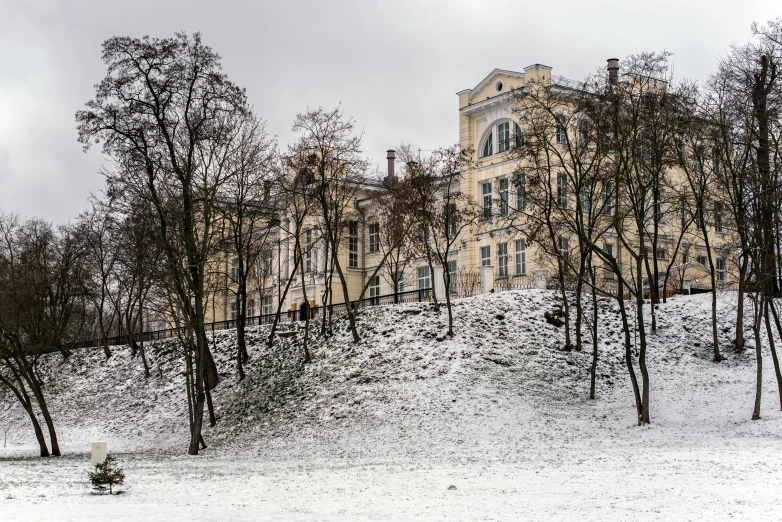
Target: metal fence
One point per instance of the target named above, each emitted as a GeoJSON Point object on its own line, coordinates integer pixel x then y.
{"type": "Point", "coordinates": [286, 316]}
{"type": "Point", "coordinates": [504, 283]}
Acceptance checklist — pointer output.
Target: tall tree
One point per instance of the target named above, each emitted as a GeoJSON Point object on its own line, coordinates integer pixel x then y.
{"type": "Point", "coordinates": [169, 116]}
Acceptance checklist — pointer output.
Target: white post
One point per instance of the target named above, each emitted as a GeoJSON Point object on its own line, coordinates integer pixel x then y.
{"type": "Point", "coordinates": [539, 278]}
{"type": "Point", "coordinates": [98, 453]}
{"type": "Point", "coordinates": [439, 283]}
{"type": "Point", "coordinates": [487, 279]}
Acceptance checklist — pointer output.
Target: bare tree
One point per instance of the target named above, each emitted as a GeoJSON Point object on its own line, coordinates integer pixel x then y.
{"type": "Point", "coordinates": [42, 309]}
{"type": "Point", "coordinates": [169, 117]}
{"type": "Point", "coordinates": [248, 215]}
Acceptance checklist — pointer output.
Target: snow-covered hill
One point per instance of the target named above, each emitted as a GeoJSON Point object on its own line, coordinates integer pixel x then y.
{"type": "Point", "coordinates": [500, 395]}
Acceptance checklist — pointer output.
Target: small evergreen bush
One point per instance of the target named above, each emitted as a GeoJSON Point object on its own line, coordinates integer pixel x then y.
{"type": "Point", "coordinates": [106, 474]}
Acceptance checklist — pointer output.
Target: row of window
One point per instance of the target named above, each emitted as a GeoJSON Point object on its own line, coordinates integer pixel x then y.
{"type": "Point", "coordinates": [268, 308]}
{"type": "Point", "coordinates": [520, 258]}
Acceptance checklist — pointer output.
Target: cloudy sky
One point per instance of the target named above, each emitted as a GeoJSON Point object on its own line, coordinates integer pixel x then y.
{"type": "Point", "coordinates": [394, 66]}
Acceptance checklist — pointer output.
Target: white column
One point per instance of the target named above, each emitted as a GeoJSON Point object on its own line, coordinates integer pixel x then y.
{"type": "Point", "coordinates": [439, 284]}
{"type": "Point", "coordinates": [487, 279]}
{"type": "Point", "coordinates": [539, 278]}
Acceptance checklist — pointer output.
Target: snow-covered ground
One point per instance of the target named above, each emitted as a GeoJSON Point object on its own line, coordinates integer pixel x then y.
{"type": "Point", "coordinates": [493, 424]}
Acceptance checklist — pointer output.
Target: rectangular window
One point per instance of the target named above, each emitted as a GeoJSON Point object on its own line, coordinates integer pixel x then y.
{"type": "Point", "coordinates": [504, 197]}
{"type": "Point", "coordinates": [267, 263]}
{"type": "Point", "coordinates": [449, 217]}
{"type": "Point", "coordinates": [521, 193]}
{"type": "Point", "coordinates": [423, 278]}
{"type": "Point", "coordinates": [374, 237]}
{"type": "Point", "coordinates": [718, 217]}
{"type": "Point", "coordinates": [662, 254]}
{"type": "Point", "coordinates": [608, 273]}
{"type": "Point", "coordinates": [234, 269]}
{"type": "Point", "coordinates": [450, 275]}
{"type": "Point", "coordinates": [503, 133]}
{"type": "Point", "coordinates": [685, 258]}
{"type": "Point", "coordinates": [485, 256]}
{"type": "Point", "coordinates": [703, 260]}
{"type": "Point", "coordinates": [586, 197]}
{"type": "Point", "coordinates": [232, 310]}
{"type": "Point", "coordinates": [561, 129]}
{"type": "Point", "coordinates": [353, 244]}
{"type": "Point", "coordinates": [563, 195]}
{"type": "Point", "coordinates": [564, 246]}
{"type": "Point", "coordinates": [502, 259]}
{"type": "Point", "coordinates": [487, 199]}
{"type": "Point", "coordinates": [267, 305]}
{"type": "Point", "coordinates": [399, 281]}
{"type": "Point", "coordinates": [721, 272]}
{"type": "Point", "coordinates": [374, 286]}
{"type": "Point", "coordinates": [521, 257]}
{"type": "Point", "coordinates": [308, 250]}
{"type": "Point", "coordinates": [608, 198]}
{"type": "Point", "coordinates": [251, 308]}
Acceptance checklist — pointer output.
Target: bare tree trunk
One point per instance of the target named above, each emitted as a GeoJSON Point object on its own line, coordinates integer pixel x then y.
{"type": "Point", "coordinates": [740, 305]}
{"type": "Point", "coordinates": [757, 316]}
{"type": "Point", "coordinates": [644, 418]}
{"type": "Point", "coordinates": [772, 344]}
{"type": "Point", "coordinates": [593, 368]}
{"type": "Point", "coordinates": [210, 407]}
{"type": "Point", "coordinates": [628, 348]}
{"type": "Point", "coordinates": [26, 403]}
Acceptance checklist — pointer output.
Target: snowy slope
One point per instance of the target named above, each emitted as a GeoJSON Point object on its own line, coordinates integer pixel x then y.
{"type": "Point", "coordinates": [409, 407]}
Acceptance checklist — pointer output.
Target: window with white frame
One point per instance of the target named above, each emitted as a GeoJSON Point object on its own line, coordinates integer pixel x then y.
{"type": "Point", "coordinates": [561, 128]}
{"type": "Point", "coordinates": [521, 193]}
{"type": "Point", "coordinates": [703, 259]}
{"type": "Point", "coordinates": [449, 217]}
{"type": "Point", "coordinates": [564, 246]}
{"type": "Point", "coordinates": [374, 286]}
{"type": "Point", "coordinates": [399, 281]}
{"type": "Point", "coordinates": [505, 139]}
{"type": "Point", "coordinates": [234, 269]}
{"type": "Point", "coordinates": [504, 196]}
{"type": "Point", "coordinates": [608, 272]}
{"type": "Point", "coordinates": [503, 133]}
{"type": "Point", "coordinates": [521, 258]}
{"type": "Point", "coordinates": [267, 305]}
{"type": "Point", "coordinates": [353, 244]}
{"type": "Point", "coordinates": [251, 308]}
{"type": "Point", "coordinates": [608, 198]}
{"type": "Point", "coordinates": [502, 259]}
{"type": "Point", "coordinates": [586, 197]}
{"type": "Point", "coordinates": [685, 258]}
{"type": "Point", "coordinates": [662, 254]}
{"type": "Point", "coordinates": [374, 237]}
{"type": "Point", "coordinates": [563, 191]}
{"type": "Point", "coordinates": [232, 310]}
{"type": "Point", "coordinates": [721, 271]}
{"type": "Point", "coordinates": [451, 275]}
{"type": "Point", "coordinates": [267, 263]}
{"type": "Point", "coordinates": [488, 145]}
{"type": "Point", "coordinates": [718, 217]}
{"type": "Point", "coordinates": [308, 250]}
{"type": "Point", "coordinates": [423, 277]}
{"type": "Point", "coordinates": [487, 199]}
{"type": "Point", "coordinates": [485, 256]}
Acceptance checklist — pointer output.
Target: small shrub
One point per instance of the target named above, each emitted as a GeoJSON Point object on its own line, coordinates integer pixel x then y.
{"type": "Point", "coordinates": [106, 474]}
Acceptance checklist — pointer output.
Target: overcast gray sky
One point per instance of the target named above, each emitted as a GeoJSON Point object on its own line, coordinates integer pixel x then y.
{"type": "Point", "coordinates": [394, 66]}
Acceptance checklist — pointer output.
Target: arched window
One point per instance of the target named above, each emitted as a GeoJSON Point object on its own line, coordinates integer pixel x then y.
{"type": "Point", "coordinates": [505, 140]}
{"type": "Point", "coordinates": [488, 147]}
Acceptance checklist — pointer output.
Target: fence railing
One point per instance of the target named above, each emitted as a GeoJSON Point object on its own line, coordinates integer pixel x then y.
{"type": "Point", "coordinates": [504, 282]}
{"type": "Point", "coordinates": [286, 316]}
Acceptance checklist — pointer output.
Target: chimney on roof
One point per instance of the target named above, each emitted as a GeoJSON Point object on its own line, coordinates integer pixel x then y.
{"type": "Point", "coordinates": [613, 71]}
{"type": "Point", "coordinates": [390, 179]}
